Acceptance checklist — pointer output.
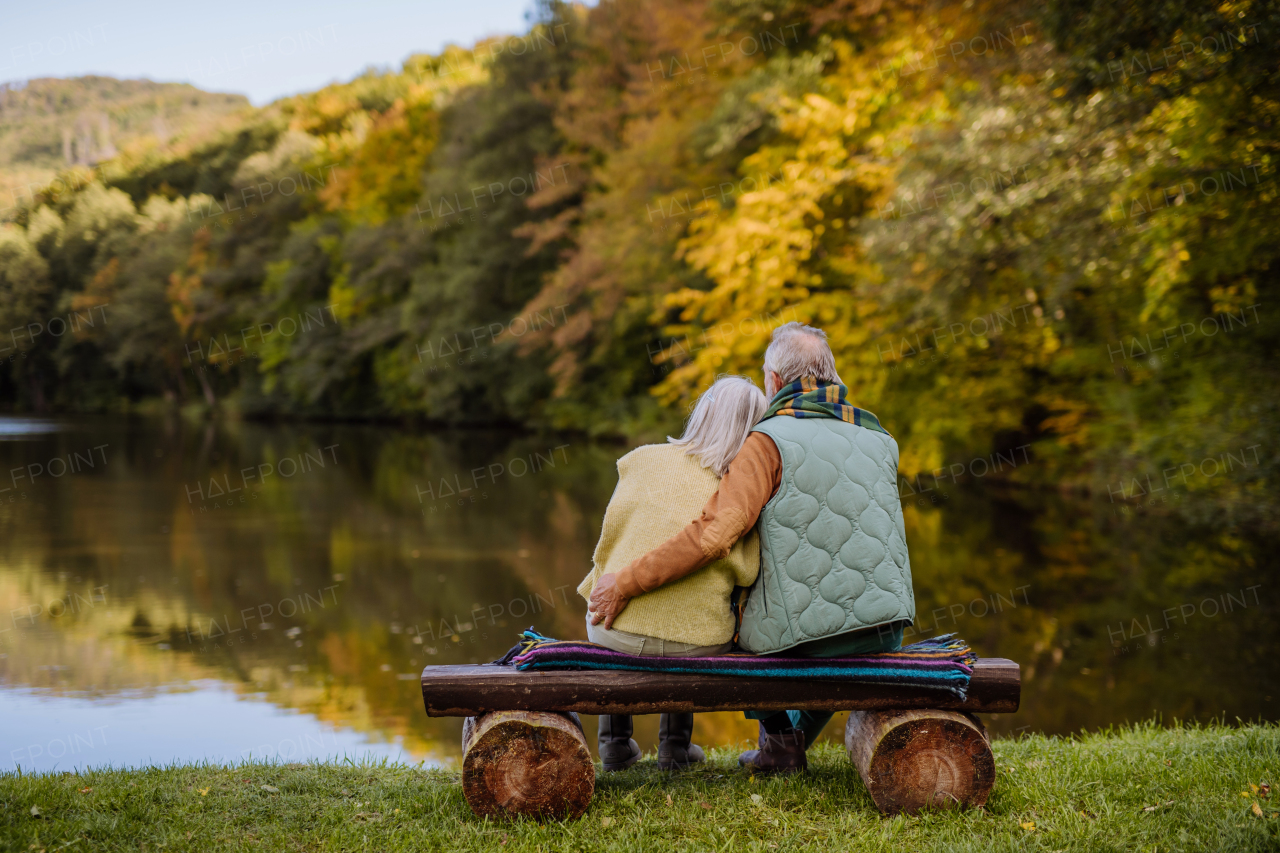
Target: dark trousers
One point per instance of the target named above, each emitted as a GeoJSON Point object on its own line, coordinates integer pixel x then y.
{"type": "Point", "coordinates": [885, 638]}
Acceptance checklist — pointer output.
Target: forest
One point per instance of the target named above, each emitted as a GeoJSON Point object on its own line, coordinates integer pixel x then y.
{"type": "Point", "coordinates": [1039, 235]}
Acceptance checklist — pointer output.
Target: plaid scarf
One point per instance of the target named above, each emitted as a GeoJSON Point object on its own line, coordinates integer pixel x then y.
{"type": "Point", "coordinates": [809, 398]}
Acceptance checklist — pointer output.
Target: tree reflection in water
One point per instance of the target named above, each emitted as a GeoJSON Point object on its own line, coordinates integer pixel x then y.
{"type": "Point", "coordinates": [191, 554]}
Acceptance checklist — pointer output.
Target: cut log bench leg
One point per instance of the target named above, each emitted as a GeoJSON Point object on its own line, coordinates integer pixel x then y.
{"type": "Point", "coordinates": [531, 763]}
{"type": "Point", "coordinates": [910, 760]}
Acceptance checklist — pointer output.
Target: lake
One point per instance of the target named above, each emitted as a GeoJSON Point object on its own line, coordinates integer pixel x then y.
{"type": "Point", "coordinates": [175, 590]}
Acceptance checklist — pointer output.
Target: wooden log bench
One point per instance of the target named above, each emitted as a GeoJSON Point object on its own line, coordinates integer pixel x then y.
{"type": "Point", "coordinates": [524, 751]}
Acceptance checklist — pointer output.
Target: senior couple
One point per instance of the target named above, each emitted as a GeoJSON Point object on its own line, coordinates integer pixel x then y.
{"type": "Point", "coordinates": [796, 547]}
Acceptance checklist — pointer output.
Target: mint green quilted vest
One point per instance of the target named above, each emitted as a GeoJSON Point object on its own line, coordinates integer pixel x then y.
{"type": "Point", "coordinates": [833, 546]}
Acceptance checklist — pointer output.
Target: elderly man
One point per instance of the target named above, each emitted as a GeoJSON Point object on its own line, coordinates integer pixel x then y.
{"type": "Point", "coordinates": [821, 477]}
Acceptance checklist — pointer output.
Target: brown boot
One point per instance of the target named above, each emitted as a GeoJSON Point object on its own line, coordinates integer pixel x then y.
{"type": "Point", "coordinates": [780, 753]}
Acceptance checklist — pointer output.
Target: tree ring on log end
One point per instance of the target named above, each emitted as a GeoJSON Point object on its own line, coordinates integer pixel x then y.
{"type": "Point", "coordinates": [916, 759]}
{"type": "Point", "coordinates": [932, 763]}
{"type": "Point", "coordinates": [526, 763]}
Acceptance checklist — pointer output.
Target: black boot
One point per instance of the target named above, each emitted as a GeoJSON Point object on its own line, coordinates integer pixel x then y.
{"type": "Point", "coordinates": [617, 750]}
{"type": "Point", "coordinates": [780, 753]}
{"type": "Point", "coordinates": [675, 731]}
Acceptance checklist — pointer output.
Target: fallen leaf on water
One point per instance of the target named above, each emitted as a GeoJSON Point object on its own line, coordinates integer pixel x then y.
{"type": "Point", "coordinates": [1257, 809]}
{"type": "Point", "coordinates": [35, 811]}
{"type": "Point", "coordinates": [606, 821]}
{"type": "Point", "coordinates": [271, 789]}
{"type": "Point", "coordinates": [1029, 826]}
{"type": "Point", "coordinates": [204, 792]}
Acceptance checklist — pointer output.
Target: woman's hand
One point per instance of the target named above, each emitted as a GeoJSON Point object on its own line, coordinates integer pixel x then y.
{"type": "Point", "coordinates": [606, 602]}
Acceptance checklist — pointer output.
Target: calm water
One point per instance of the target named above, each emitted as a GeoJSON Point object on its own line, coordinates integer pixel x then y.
{"type": "Point", "coordinates": [172, 591]}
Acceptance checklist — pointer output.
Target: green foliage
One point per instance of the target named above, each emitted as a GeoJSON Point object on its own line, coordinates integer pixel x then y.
{"type": "Point", "coordinates": [989, 207]}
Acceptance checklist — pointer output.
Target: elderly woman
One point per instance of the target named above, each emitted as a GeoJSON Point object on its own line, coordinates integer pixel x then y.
{"type": "Point", "coordinates": [660, 487]}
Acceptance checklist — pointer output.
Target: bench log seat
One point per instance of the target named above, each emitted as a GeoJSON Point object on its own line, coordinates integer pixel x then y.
{"type": "Point", "coordinates": [524, 751]}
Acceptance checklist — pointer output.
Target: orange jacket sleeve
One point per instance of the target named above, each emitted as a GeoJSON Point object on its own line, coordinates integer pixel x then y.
{"type": "Point", "coordinates": [753, 478]}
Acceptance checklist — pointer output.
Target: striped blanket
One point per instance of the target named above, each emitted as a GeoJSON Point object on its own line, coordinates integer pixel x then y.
{"type": "Point", "coordinates": [939, 663]}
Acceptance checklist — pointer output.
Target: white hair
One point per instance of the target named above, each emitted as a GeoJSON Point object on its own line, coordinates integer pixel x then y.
{"type": "Point", "coordinates": [798, 350]}
{"type": "Point", "coordinates": [721, 421]}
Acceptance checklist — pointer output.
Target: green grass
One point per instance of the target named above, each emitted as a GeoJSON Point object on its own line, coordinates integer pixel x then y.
{"type": "Point", "coordinates": [1091, 793]}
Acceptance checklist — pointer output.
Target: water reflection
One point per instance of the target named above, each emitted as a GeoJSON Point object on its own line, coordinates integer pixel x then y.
{"type": "Point", "coordinates": [318, 568]}
{"type": "Point", "coordinates": [12, 428]}
{"type": "Point", "coordinates": [201, 721]}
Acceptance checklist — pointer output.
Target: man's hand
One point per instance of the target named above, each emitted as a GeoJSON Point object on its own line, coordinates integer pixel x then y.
{"type": "Point", "coordinates": [606, 602]}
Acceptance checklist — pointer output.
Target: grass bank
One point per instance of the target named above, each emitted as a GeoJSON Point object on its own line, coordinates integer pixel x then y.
{"type": "Point", "coordinates": [1142, 788]}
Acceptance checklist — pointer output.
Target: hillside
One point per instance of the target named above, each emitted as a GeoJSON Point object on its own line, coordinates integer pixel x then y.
{"type": "Point", "coordinates": [50, 124]}
{"type": "Point", "coordinates": [1026, 241]}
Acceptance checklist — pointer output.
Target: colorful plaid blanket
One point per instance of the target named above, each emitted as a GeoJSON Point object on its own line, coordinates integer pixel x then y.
{"type": "Point", "coordinates": [939, 663]}
{"type": "Point", "coordinates": [809, 398]}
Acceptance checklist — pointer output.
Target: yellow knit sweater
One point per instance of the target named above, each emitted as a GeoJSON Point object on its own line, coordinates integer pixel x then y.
{"type": "Point", "coordinates": [660, 490]}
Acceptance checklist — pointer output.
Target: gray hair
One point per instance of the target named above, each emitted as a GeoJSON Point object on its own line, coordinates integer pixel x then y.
{"type": "Point", "coordinates": [798, 350]}
{"type": "Point", "coordinates": [721, 421]}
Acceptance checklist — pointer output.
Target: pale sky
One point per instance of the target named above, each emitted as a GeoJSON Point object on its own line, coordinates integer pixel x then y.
{"type": "Point", "coordinates": [265, 49]}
